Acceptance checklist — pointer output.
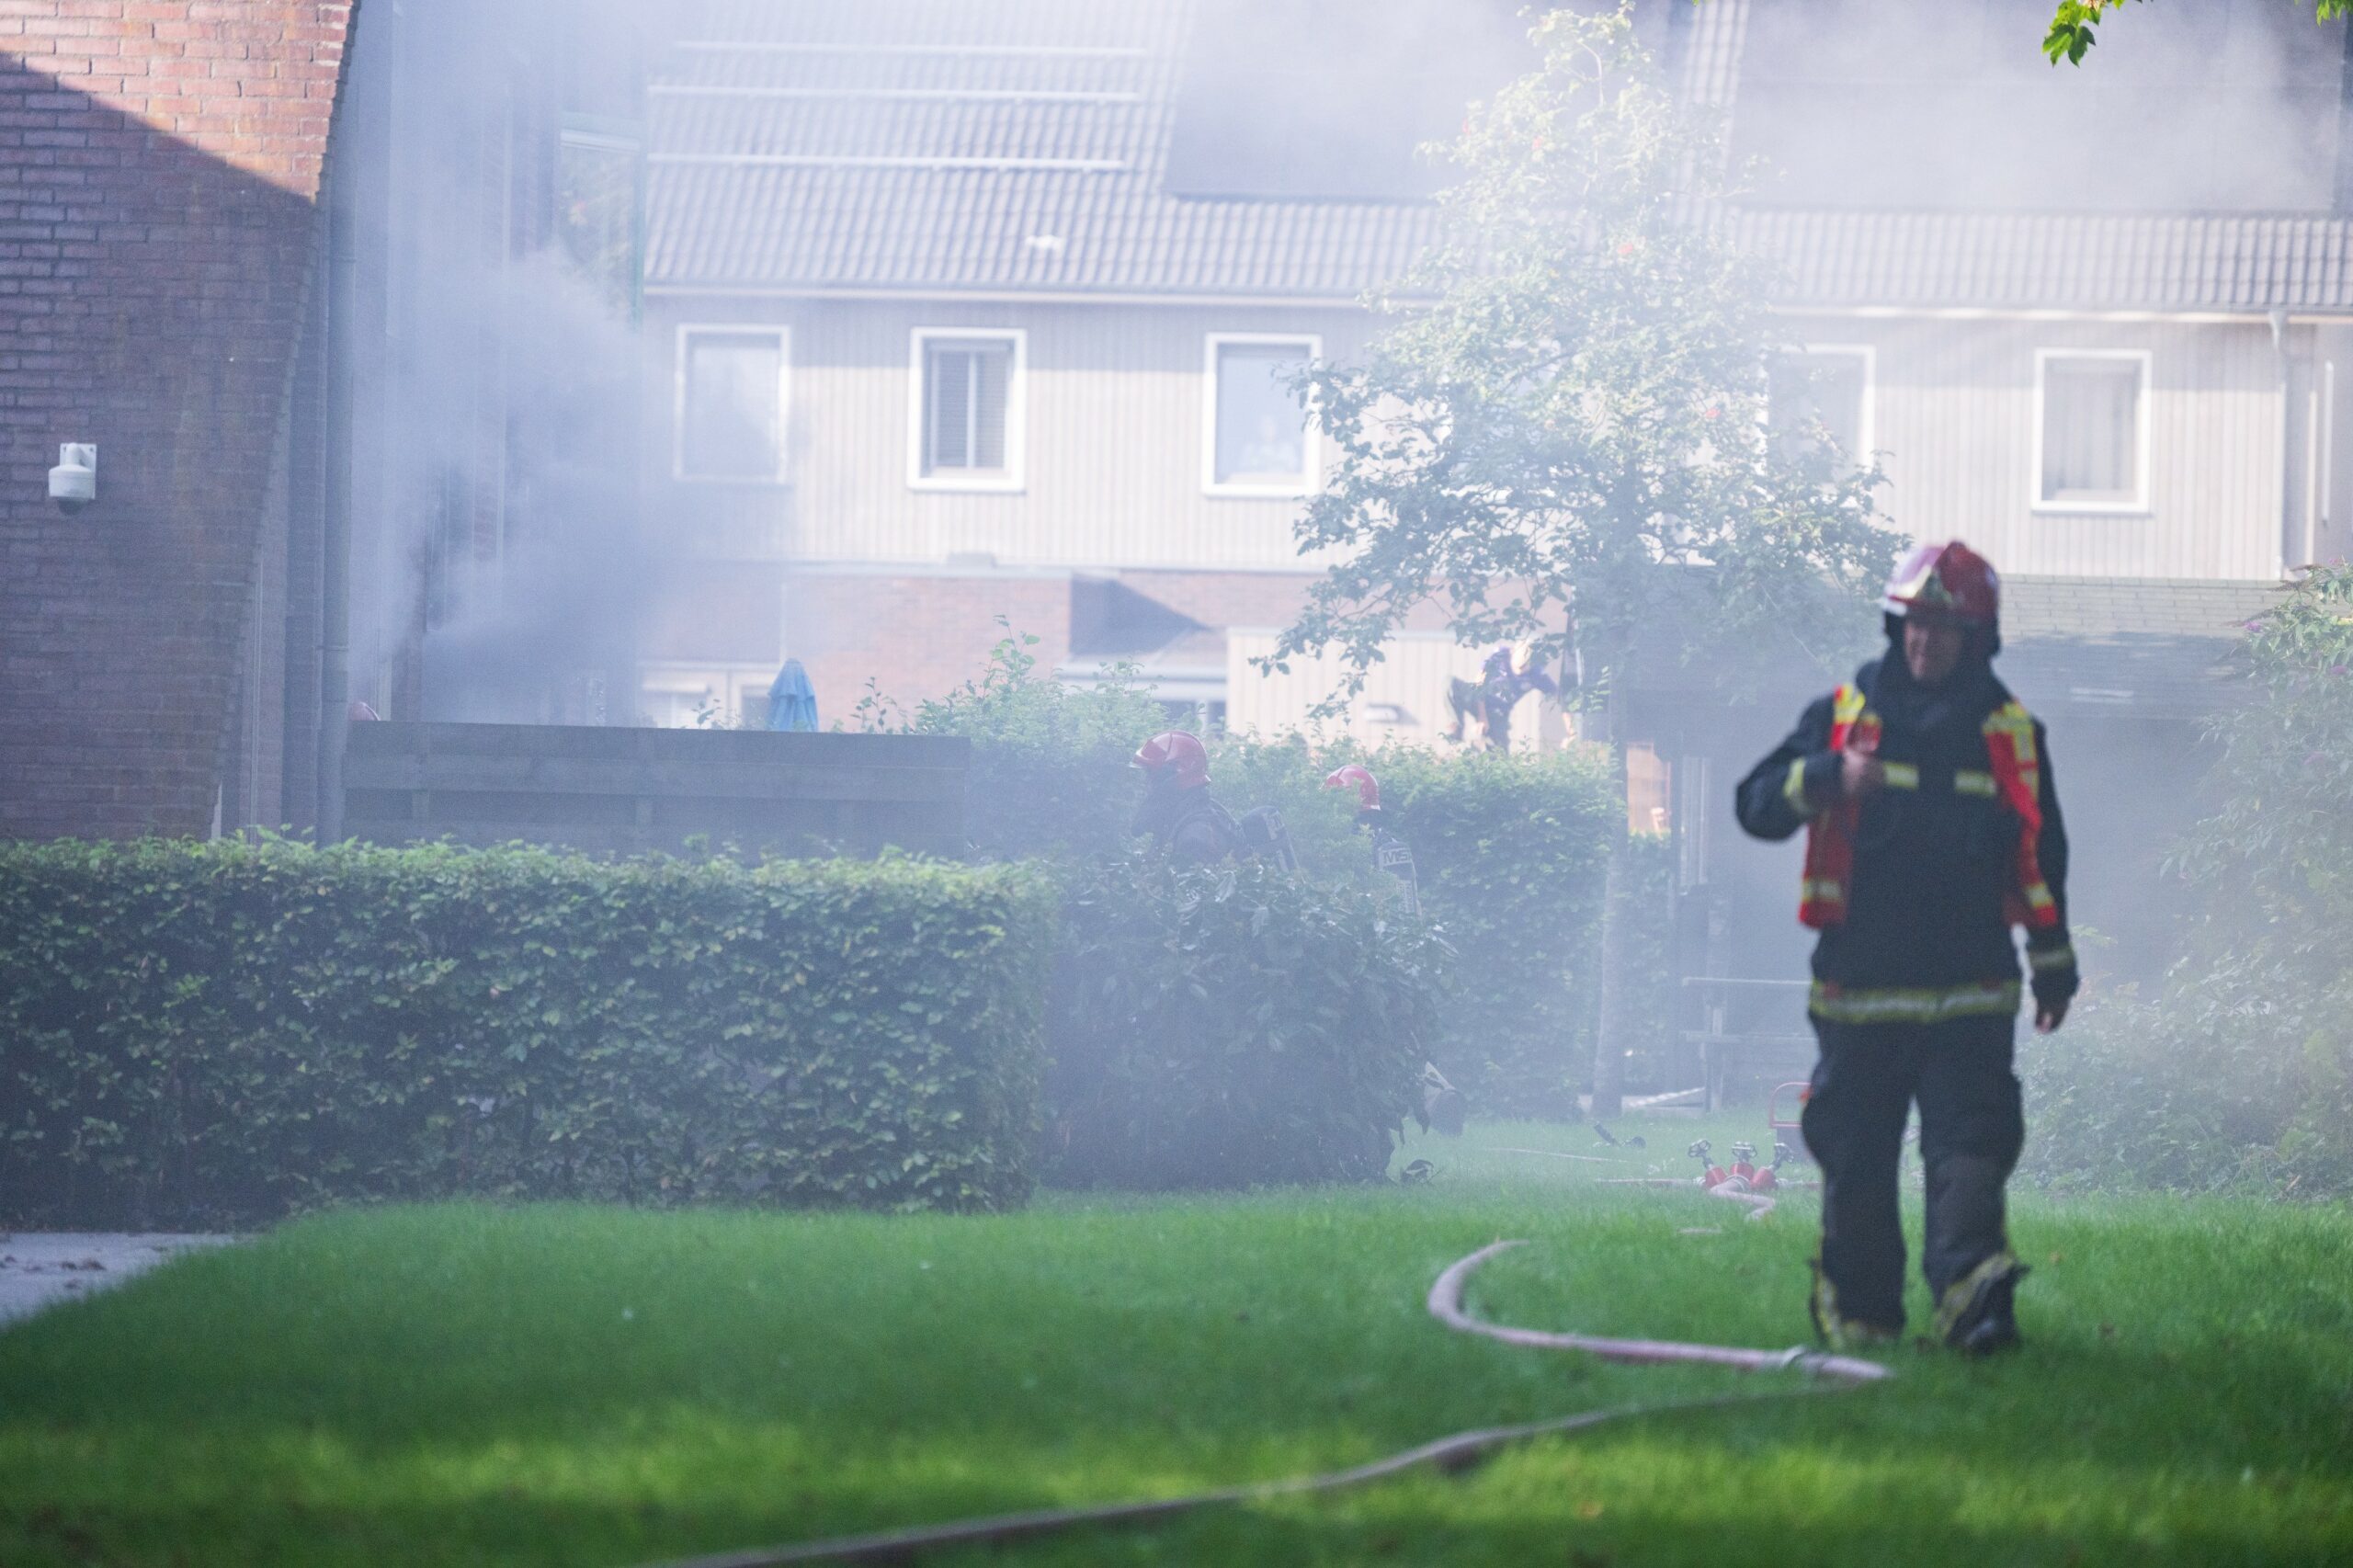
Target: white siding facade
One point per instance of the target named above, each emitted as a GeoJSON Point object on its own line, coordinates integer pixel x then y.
{"type": "Point", "coordinates": [1954, 414]}
{"type": "Point", "coordinates": [1114, 407]}
{"type": "Point", "coordinates": [1112, 471]}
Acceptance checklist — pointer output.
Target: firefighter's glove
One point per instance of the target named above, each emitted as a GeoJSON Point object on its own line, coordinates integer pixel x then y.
{"type": "Point", "coordinates": [2054, 978]}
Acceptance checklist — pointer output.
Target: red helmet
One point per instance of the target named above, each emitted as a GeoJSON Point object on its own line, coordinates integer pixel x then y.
{"type": "Point", "coordinates": [1947, 581]}
{"type": "Point", "coordinates": [1357, 777]}
{"type": "Point", "coordinates": [1181, 755]}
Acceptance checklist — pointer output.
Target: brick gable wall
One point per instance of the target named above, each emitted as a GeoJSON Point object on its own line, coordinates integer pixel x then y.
{"type": "Point", "coordinates": [159, 168]}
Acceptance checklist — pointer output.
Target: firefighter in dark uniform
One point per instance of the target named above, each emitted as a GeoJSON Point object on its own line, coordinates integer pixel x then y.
{"type": "Point", "coordinates": [1933, 829]}
{"type": "Point", "coordinates": [1442, 1104]}
{"type": "Point", "coordinates": [1392, 856]}
{"type": "Point", "coordinates": [1185, 821]}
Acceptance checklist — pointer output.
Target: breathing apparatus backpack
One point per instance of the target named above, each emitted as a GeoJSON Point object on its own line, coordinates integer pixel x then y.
{"type": "Point", "coordinates": [1263, 834]}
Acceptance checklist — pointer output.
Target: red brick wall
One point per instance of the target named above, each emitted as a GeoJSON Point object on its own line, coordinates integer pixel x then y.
{"type": "Point", "coordinates": [1259, 599]}
{"type": "Point", "coordinates": [1226, 598]}
{"type": "Point", "coordinates": [160, 165]}
{"type": "Point", "coordinates": [920, 635]}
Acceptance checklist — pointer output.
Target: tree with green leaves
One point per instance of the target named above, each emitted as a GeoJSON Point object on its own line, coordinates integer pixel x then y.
{"type": "Point", "coordinates": [1561, 436]}
{"type": "Point", "coordinates": [2075, 25]}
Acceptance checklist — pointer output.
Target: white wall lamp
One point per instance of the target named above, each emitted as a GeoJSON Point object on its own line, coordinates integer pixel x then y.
{"type": "Point", "coordinates": [73, 483]}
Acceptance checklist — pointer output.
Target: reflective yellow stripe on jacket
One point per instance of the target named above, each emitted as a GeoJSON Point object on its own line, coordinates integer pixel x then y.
{"type": "Point", "coordinates": [2015, 777]}
{"type": "Point", "coordinates": [1912, 1004]}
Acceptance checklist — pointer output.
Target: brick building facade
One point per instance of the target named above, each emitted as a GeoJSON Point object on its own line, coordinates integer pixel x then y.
{"type": "Point", "coordinates": [161, 168]}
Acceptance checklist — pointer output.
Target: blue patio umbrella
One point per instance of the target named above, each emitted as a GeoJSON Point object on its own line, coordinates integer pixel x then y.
{"type": "Point", "coordinates": [792, 701]}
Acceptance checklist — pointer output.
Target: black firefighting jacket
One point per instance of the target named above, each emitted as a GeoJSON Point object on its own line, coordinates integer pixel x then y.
{"type": "Point", "coordinates": [1932, 864]}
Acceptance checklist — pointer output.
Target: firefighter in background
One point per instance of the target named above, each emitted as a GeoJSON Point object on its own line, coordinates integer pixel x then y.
{"type": "Point", "coordinates": [1184, 820]}
{"type": "Point", "coordinates": [1442, 1103]}
{"type": "Point", "coordinates": [1933, 829]}
{"type": "Point", "coordinates": [1509, 674]}
{"type": "Point", "coordinates": [1390, 855]}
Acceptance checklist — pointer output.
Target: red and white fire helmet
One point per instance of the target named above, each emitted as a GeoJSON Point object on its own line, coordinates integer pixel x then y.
{"type": "Point", "coordinates": [1357, 777]}
{"type": "Point", "coordinates": [1946, 581]}
{"type": "Point", "coordinates": [1180, 754]}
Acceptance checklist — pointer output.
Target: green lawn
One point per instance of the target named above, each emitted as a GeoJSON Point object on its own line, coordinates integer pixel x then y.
{"type": "Point", "coordinates": [578, 1386]}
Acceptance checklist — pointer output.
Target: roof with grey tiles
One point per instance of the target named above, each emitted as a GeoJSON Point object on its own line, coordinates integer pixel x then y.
{"type": "Point", "coordinates": [1022, 145]}
{"type": "Point", "coordinates": [2165, 262]}
{"type": "Point", "coordinates": [983, 144]}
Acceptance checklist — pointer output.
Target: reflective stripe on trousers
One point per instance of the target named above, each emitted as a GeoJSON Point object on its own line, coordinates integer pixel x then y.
{"type": "Point", "coordinates": [1912, 1004]}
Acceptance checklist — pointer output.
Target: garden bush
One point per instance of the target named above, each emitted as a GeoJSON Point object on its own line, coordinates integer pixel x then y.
{"type": "Point", "coordinates": [2222, 1086]}
{"type": "Point", "coordinates": [1510, 849]}
{"type": "Point", "coordinates": [1052, 777]}
{"type": "Point", "coordinates": [2239, 1069]}
{"type": "Point", "coordinates": [209, 1035]}
{"type": "Point", "coordinates": [1049, 775]}
{"type": "Point", "coordinates": [1227, 1025]}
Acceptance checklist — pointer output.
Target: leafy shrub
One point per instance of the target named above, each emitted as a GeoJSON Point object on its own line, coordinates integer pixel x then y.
{"type": "Point", "coordinates": [2226, 1083]}
{"type": "Point", "coordinates": [1287, 774]}
{"type": "Point", "coordinates": [1228, 1026]}
{"type": "Point", "coordinates": [1510, 848]}
{"type": "Point", "coordinates": [1049, 774]}
{"type": "Point", "coordinates": [2241, 1069]}
{"type": "Point", "coordinates": [218, 1034]}
{"type": "Point", "coordinates": [1656, 1058]}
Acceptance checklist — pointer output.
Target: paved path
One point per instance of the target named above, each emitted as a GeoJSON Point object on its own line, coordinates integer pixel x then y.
{"type": "Point", "coordinates": [39, 1268]}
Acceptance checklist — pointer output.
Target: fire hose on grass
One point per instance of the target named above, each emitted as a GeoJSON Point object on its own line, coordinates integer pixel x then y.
{"type": "Point", "coordinates": [1448, 1454]}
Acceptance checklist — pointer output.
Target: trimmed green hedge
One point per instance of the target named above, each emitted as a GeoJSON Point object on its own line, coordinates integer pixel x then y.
{"type": "Point", "coordinates": [207, 1035]}
{"type": "Point", "coordinates": [1511, 850]}
{"type": "Point", "coordinates": [1230, 1025]}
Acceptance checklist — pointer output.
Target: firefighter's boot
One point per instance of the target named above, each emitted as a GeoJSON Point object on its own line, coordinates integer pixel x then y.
{"type": "Point", "coordinates": [1976, 1316]}
{"type": "Point", "coordinates": [1837, 1330]}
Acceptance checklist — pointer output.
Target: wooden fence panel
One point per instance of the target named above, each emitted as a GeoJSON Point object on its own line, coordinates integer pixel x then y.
{"type": "Point", "coordinates": [618, 791]}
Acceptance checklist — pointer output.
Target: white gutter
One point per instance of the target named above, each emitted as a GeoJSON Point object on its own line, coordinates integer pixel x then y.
{"type": "Point", "coordinates": [2279, 322]}
{"type": "Point", "coordinates": [2324, 514]}
{"type": "Point", "coordinates": [994, 50]}
{"type": "Point", "coordinates": [928, 293]}
{"type": "Point", "coordinates": [2052, 313]}
{"type": "Point", "coordinates": [831, 161]}
{"type": "Point", "coordinates": [924, 295]}
{"type": "Point", "coordinates": [899, 95]}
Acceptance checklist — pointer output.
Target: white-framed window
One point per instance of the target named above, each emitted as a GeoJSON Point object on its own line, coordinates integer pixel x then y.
{"type": "Point", "coordinates": [2091, 430]}
{"type": "Point", "coordinates": [966, 416]}
{"type": "Point", "coordinates": [731, 397]}
{"type": "Point", "coordinates": [1824, 386]}
{"type": "Point", "coordinates": [703, 697]}
{"type": "Point", "coordinates": [1257, 438]}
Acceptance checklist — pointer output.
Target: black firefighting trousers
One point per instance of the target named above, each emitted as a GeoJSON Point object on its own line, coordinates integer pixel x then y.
{"type": "Point", "coordinates": [1971, 1132]}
